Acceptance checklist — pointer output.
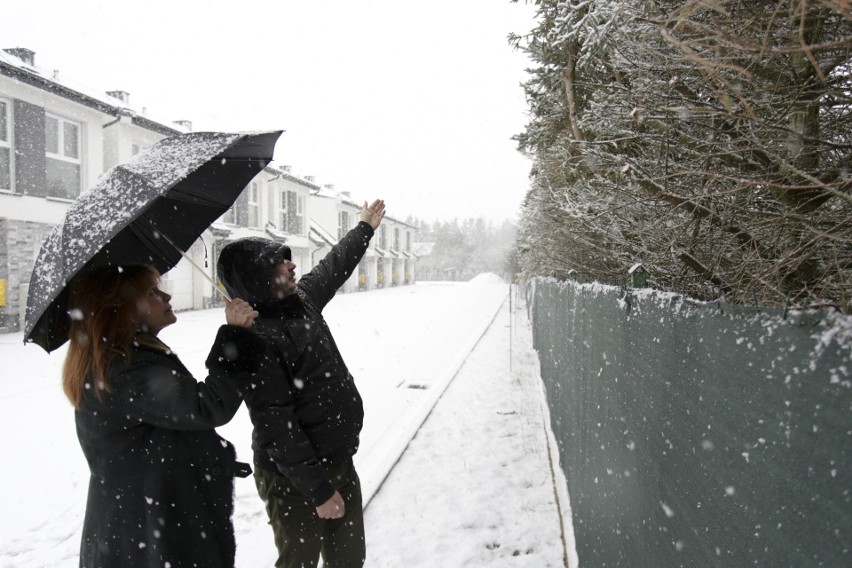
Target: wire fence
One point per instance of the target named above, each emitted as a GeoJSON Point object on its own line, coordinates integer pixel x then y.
{"type": "Point", "coordinates": [698, 434]}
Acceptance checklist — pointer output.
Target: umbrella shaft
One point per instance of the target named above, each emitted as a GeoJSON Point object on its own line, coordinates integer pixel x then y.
{"type": "Point", "coordinates": [202, 271]}
{"type": "Point", "coordinates": [192, 262]}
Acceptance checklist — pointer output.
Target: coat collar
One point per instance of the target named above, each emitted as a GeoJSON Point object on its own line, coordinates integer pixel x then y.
{"type": "Point", "coordinates": [290, 307]}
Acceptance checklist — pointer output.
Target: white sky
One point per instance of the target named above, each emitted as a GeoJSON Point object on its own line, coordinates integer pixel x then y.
{"type": "Point", "coordinates": [414, 102]}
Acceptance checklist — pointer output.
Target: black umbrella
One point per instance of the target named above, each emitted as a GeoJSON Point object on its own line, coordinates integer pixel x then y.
{"type": "Point", "coordinates": [148, 210]}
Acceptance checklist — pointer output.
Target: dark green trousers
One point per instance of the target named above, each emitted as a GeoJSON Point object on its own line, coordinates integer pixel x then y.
{"type": "Point", "coordinates": [300, 535]}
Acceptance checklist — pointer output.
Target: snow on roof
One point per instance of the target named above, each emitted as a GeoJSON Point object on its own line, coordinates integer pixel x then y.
{"type": "Point", "coordinates": [341, 196]}
{"type": "Point", "coordinates": [273, 232]}
{"type": "Point", "coordinates": [55, 82]}
{"type": "Point", "coordinates": [326, 192]}
{"type": "Point", "coordinates": [636, 267]}
{"type": "Point", "coordinates": [282, 171]}
{"type": "Point", "coordinates": [322, 234]}
{"type": "Point", "coordinates": [236, 232]}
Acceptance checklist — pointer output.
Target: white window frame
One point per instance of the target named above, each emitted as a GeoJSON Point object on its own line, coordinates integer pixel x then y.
{"type": "Point", "coordinates": [60, 146]}
{"type": "Point", "coordinates": [300, 212]}
{"type": "Point", "coordinates": [282, 211]}
{"type": "Point", "coordinates": [254, 205]}
{"type": "Point", "coordinates": [6, 143]}
{"type": "Point", "coordinates": [284, 199]}
{"type": "Point", "coordinates": [342, 227]}
{"type": "Point", "coordinates": [60, 140]}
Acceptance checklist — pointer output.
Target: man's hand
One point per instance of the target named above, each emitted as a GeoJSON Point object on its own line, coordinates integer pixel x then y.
{"type": "Point", "coordinates": [334, 508]}
{"type": "Point", "coordinates": [373, 214]}
{"type": "Point", "coordinates": [239, 312]}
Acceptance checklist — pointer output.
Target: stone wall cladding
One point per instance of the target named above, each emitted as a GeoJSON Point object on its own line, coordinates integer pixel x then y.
{"type": "Point", "coordinates": [20, 242]}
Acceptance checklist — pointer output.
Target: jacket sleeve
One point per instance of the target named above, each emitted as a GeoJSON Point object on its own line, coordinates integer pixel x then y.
{"type": "Point", "coordinates": [322, 282]}
{"type": "Point", "coordinates": [277, 431]}
{"type": "Point", "coordinates": [168, 397]}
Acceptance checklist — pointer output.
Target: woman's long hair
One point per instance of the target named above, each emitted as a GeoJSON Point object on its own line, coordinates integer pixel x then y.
{"type": "Point", "coordinates": [104, 313]}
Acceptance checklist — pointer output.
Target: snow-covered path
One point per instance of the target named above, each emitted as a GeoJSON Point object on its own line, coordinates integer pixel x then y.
{"type": "Point", "coordinates": [403, 345]}
{"type": "Point", "coordinates": [475, 486]}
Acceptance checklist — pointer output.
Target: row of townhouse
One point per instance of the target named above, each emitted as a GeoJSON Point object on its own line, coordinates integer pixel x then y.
{"type": "Point", "coordinates": [58, 137]}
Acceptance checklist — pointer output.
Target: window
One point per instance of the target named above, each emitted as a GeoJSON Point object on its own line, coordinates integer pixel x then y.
{"type": "Point", "coordinates": [342, 224]}
{"type": "Point", "coordinates": [291, 213]}
{"type": "Point", "coordinates": [283, 220]}
{"type": "Point", "coordinates": [135, 148]}
{"type": "Point", "coordinates": [407, 241]}
{"type": "Point", "coordinates": [230, 216]}
{"type": "Point", "coordinates": [396, 238]}
{"type": "Point", "coordinates": [300, 214]}
{"type": "Point", "coordinates": [5, 146]}
{"type": "Point", "coordinates": [383, 237]}
{"type": "Point", "coordinates": [254, 205]}
{"type": "Point", "coordinates": [62, 145]}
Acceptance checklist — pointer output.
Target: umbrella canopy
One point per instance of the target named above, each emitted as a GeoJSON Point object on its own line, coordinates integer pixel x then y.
{"type": "Point", "coordinates": [175, 189]}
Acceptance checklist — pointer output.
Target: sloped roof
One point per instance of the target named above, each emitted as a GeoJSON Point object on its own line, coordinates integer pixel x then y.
{"type": "Point", "coordinates": [58, 84]}
{"type": "Point", "coordinates": [273, 232]}
{"type": "Point", "coordinates": [276, 170]}
{"type": "Point", "coordinates": [234, 232]}
{"type": "Point", "coordinates": [320, 235]}
{"type": "Point", "coordinates": [340, 197]}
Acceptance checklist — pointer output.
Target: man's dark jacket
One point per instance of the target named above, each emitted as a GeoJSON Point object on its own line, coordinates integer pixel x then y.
{"type": "Point", "coordinates": [307, 411]}
{"type": "Point", "coordinates": [161, 485]}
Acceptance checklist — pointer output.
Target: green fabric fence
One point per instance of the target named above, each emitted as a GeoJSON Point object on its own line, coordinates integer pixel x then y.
{"type": "Point", "coordinates": [695, 434]}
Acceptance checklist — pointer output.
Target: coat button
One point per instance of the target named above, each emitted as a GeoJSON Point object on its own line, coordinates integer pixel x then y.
{"type": "Point", "coordinates": [217, 469]}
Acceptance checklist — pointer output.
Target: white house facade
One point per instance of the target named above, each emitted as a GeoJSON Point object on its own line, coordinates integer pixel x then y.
{"type": "Point", "coordinates": [54, 142]}
{"type": "Point", "coordinates": [57, 139]}
{"type": "Point", "coordinates": [388, 261]}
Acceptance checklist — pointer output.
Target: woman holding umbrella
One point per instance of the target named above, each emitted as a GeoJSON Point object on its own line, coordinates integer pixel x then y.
{"type": "Point", "coordinates": [161, 486]}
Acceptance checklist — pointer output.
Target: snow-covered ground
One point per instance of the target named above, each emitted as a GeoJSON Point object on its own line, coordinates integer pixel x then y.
{"type": "Point", "coordinates": [473, 488]}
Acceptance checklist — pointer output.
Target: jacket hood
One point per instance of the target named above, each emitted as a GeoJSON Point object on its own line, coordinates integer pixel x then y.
{"type": "Point", "coordinates": [246, 267]}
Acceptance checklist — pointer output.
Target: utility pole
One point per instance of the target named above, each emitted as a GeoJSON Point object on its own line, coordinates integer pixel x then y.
{"type": "Point", "coordinates": [510, 329]}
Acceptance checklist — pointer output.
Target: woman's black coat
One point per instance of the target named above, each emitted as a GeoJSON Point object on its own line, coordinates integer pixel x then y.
{"type": "Point", "coordinates": [161, 486]}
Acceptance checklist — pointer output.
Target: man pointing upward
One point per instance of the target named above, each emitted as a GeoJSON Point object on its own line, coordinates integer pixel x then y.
{"type": "Point", "coordinates": [306, 411]}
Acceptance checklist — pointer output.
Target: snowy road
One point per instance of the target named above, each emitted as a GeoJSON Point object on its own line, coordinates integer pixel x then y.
{"type": "Point", "coordinates": [403, 345]}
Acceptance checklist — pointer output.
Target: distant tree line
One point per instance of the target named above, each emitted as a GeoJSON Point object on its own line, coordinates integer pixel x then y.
{"type": "Point", "coordinates": [464, 248]}
{"type": "Point", "coordinates": [709, 141]}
